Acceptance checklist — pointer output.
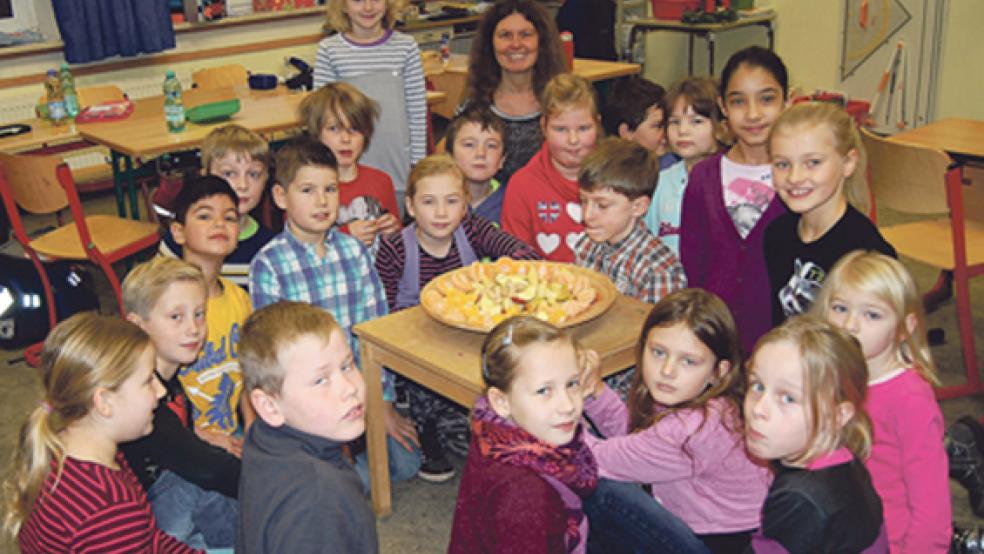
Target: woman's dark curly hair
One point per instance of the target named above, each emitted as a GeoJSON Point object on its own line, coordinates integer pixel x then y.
{"type": "Point", "coordinates": [484, 72]}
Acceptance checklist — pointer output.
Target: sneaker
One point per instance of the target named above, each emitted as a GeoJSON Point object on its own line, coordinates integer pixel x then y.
{"type": "Point", "coordinates": [963, 441]}
{"type": "Point", "coordinates": [967, 541]}
{"type": "Point", "coordinates": [435, 467]}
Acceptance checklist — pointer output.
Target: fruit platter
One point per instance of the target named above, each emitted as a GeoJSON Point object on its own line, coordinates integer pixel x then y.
{"type": "Point", "coordinates": [478, 296]}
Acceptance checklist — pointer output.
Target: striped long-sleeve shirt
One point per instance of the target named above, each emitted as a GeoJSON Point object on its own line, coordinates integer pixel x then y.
{"type": "Point", "coordinates": [339, 59]}
{"type": "Point", "coordinates": [94, 509]}
{"type": "Point", "coordinates": [485, 238]}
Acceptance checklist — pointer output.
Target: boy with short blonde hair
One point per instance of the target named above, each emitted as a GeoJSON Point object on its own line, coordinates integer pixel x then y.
{"type": "Point", "coordinates": [616, 183]}
{"type": "Point", "coordinates": [299, 492]}
{"type": "Point", "coordinates": [242, 158]}
{"type": "Point", "coordinates": [191, 485]}
{"type": "Point", "coordinates": [312, 261]}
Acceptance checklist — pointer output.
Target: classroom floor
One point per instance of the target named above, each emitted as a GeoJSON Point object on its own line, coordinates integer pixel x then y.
{"type": "Point", "coordinates": [422, 512]}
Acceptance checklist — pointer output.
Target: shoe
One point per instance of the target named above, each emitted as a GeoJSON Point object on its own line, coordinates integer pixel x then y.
{"type": "Point", "coordinates": [967, 541]}
{"type": "Point", "coordinates": [963, 441]}
{"type": "Point", "coordinates": [435, 467]}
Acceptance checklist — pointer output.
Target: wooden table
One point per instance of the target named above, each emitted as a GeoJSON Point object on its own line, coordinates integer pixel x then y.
{"type": "Point", "coordinates": [144, 135]}
{"type": "Point", "coordinates": [962, 139]}
{"type": "Point", "coordinates": [453, 77]}
{"type": "Point", "coordinates": [707, 31]}
{"type": "Point", "coordinates": [447, 361]}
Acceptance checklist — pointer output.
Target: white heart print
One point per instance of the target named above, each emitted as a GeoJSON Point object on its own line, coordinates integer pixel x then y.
{"type": "Point", "coordinates": [547, 242]}
{"type": "Point", "coordinates": [574, 210]}
{"type": "Point", "coordinates": [572, 238]}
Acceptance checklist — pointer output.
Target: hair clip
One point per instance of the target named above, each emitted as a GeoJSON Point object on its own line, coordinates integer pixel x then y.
{"type": "Point", "coordinates": [45, 406]}
{"type": "Point", "coordinates": [507, 341]}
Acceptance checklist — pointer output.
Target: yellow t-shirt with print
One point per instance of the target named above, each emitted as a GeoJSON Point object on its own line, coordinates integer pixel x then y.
{"type": "Point", "coordinates": [215, 381]}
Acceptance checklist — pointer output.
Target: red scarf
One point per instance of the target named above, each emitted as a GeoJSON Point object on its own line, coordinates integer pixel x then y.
{"type": "Point", "coordinates": [572, 464]}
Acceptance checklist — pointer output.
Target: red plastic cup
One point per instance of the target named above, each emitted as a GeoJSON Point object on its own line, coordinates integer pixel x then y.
{"type": "Point", "coordinates": [567, 40]}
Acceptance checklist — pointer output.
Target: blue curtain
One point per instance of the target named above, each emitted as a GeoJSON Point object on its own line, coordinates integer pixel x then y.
{"type": "Point", "coordinates": [97, 29]}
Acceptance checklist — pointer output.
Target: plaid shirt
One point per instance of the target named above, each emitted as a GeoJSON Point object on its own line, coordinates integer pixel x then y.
{"type": "Point", "coordinates": [344, 282]}
{"type": "Point", "coordinates": [640, 265]}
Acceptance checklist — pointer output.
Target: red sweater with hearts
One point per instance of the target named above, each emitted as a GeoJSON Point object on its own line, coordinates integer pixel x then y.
{"type": "Point", "coordinates": [542, 209]}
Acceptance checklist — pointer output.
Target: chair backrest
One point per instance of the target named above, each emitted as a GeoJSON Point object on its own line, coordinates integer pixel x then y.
{"type": "Point", "coordinates": [90, 96]}
{"type": "Point", "coordinates": [34, 183]}
{"type": "Point", "coordinates": [905, 177]}
{"type": "Point", "coordinates": [220, 76]}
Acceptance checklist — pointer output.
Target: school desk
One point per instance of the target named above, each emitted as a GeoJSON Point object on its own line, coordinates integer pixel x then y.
{"type": "Point", "coordinates": [144, 135]}
{"type": "Point", "coordinates": [447, 361]}
{"type": "Point", "coordinates": [452, 78]}
{"type": "Point", "coordinates": [707, 31]}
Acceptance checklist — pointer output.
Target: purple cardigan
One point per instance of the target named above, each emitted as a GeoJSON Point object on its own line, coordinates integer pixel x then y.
{"type": "Point", "coordinates": [717, 259]}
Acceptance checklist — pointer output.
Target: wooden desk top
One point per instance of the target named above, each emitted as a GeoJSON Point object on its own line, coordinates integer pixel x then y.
{"type": "Point", "coordinates": [454, 354]}
{"type": "Point", "coordinates": [960, 137]}
{"type": "Point", "coordinates": [670, 25]}
{"type": "Point", "coordinates": [145, 135]}
{"type": "Point", "coordinates": [592, 70]}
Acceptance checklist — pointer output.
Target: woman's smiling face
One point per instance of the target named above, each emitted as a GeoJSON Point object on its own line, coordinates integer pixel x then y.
{"type": "Point", "coordinates": [516, 44]}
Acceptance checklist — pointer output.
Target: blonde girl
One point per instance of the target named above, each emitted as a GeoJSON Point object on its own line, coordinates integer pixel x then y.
{"type": "Point", "coordinates": [528, 467]}
{"type": "Point", "coordinates": [729, 199]}
{"type": "Point", "coordinates": [873, 297]}
{"type": "Point", "coordinates": [818, 168]}
{"type": "Point", "coordinates": [444, 236]}
{"type": "Point", "coordinates": [682, 430]}
{"type": "Point", "coordinates": [804, 411]}
{"type": "Point", "coordinates": [542, 207]}
{"type": "Point", "coordinates": [366, 52]}
{"type": "Point", "coordinates": [694, 132]}
{"type": "Point", "coordinates": [70, 491]}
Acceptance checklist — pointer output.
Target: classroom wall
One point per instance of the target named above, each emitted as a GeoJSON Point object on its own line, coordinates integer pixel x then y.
{"type": "Point", "coordinates": [962, 80]}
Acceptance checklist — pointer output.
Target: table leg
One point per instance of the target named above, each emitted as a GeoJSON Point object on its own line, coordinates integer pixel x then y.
{"type": "Point", "coordinates": [118, 183]}
{"type": "Point", "coordinates": [710, 54]}
{"type": "Point", "coordinates": [131, 183]}
{"type": "Point", "coordinates": [379, 481]}
{"type": "Point", "coordinates": [690, 53]}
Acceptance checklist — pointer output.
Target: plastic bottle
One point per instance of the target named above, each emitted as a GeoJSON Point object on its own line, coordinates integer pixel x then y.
{"type": "Point", "coordinates": [56, 100]}
{"type": "Point", "coordinates": [174, 111]}
{"type": "Point", "coordinates": [445, 48]}
{"type": "Point", "coordinates": [68, 90]}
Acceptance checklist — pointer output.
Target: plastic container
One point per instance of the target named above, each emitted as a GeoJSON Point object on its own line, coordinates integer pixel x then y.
{"type": "Point", "coordinates": [174, 112]}
{"type": "Point", "coordinates": [56, 100]}
{"type": "Point", "coordinates": [567, 41]}
{"type": "Point", "coordinates": [673, 9]}
{"type": "Point", "coordinates": [213, 111]}
{"type": "Point", "coordinates": [68, 90]}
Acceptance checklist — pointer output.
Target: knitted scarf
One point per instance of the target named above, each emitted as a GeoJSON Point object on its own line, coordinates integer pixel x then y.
{"type": "Point", "coordinates": [571, 465]}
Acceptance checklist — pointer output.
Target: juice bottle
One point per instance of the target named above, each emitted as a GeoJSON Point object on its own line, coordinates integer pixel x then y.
{"type": "Point", "coordinates": [69, 92]}
{"type": "Point", "coordinates": [56, 100]}
{"type": "Point", "coordinates": [174, 111]}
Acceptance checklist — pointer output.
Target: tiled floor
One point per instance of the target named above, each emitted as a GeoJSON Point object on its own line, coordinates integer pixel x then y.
{"type": "Point", "coordinates": [422, 511]}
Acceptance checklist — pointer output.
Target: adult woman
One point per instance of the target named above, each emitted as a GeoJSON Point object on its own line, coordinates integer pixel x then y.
{"type": "Point", "coordinates": [517, 51]}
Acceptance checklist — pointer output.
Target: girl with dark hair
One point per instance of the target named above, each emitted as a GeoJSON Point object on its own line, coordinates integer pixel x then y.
{"type": "Point", "coordinates": [516, 53]}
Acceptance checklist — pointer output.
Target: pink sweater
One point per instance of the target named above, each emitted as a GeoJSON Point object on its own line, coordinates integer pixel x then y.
{"type": "Point", "coordinates": [716, 489]}
{"type": "Point", "coordinates": [908, 464]}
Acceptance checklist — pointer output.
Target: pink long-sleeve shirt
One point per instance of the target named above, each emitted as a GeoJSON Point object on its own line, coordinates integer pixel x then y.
{"type": "Point", "coordinates": [908, 464]}
{"type": "Point", "coordinates": [713, 486]}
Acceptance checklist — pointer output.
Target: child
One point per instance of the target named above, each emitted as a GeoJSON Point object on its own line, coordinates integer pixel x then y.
{"type": "Point", "coordinates": [242, 158]}
{"type": "Point", "coordinates": [343, 119]}
{"type": "Point", "coordinates": [206, 225]}
{"type": "Point", "coordinates": [805, 411]}
{"type": "Point", "coordinates": [729, 200]}
{"type": "Point", "coordinates": [616, 181]}
{"type": "Point", "coordinates": [528, 466]}
{"type": "Point", "coordinates": [476, 140]}
{"type": "Point", "coordinates": [682, 431]}
{"type": "Point", "coordinates": [71, 491]}
{"type": "Point", "coordinates": [542, 207]}
{"type": "Point", "coordinates": [636, 110]}
{"type": "Point", "coordinates": [191, 485]}
{"type": "Point", "coordinates": [873, 297]}
{"type": "Point", "coordinates": [444, 237]}
{"type": "Point", "coordinates": [368, 53]}
{"type": "Point", "coordinates": [311, 261]}
{"type": "Point", "coordinates": [299, 492]}
{"type": "Point", "coordinates": [693, 129]}
{"type": "Point", "coordinates": [818, 168]}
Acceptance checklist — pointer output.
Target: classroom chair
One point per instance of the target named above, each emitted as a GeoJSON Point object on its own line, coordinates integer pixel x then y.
{"type": "Point", "coordinates": [44, 185]}
{"type": "Point", "coordinates": [924, 181]}
{"type": "Point", "coordinates": [230, 75]}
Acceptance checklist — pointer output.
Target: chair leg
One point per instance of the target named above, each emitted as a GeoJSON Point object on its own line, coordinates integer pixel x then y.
{"type": "Point", "coordinates": [966, 327]}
